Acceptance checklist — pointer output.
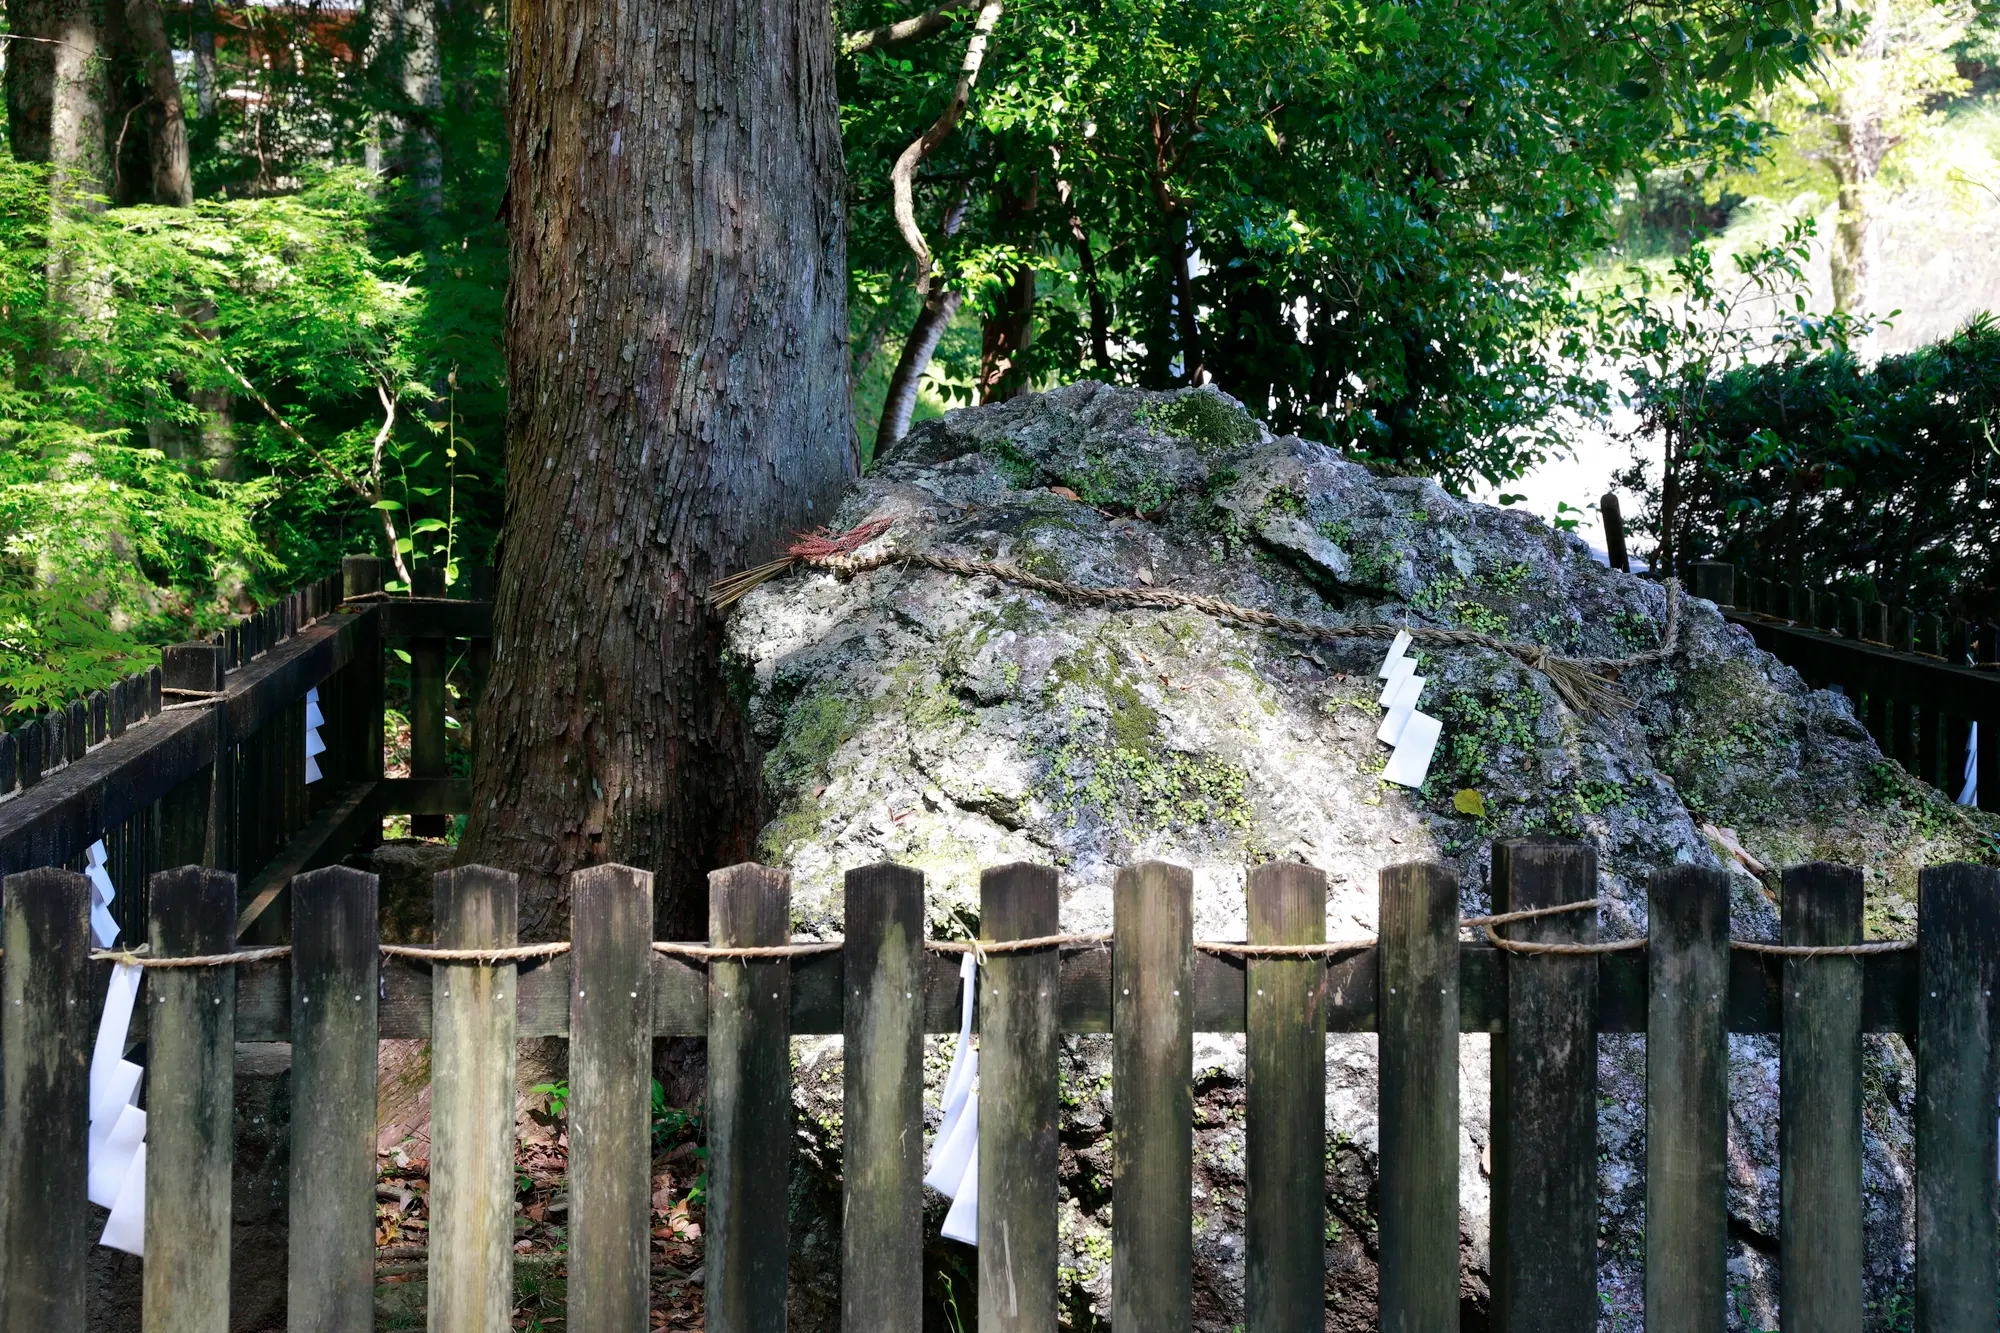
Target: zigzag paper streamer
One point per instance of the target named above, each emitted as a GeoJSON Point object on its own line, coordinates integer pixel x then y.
{"type": "Point", "coordinates": [954, 1164]}
{"type": "Point", "coordinates": [315, 747]}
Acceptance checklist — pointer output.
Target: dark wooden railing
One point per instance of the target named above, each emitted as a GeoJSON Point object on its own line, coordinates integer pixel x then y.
{"type": "Point", "coordinates": [1152, 986]}
{"type": "Point", "coordinates": [1918, 683]}
{"type": "Point", "coordinates": [166, 776]}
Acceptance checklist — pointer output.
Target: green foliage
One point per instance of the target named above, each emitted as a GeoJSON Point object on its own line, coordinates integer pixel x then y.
{"type": "Point", "coordinates": [1883, 478]}
{"type": "Point", "coordinates": [1380, 208]}
{"type": "Point", "coordinates": [1676, 339]}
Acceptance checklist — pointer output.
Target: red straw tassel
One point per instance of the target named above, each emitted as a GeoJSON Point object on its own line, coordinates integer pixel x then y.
{"type": "Point", "coordinates": [810, 547]}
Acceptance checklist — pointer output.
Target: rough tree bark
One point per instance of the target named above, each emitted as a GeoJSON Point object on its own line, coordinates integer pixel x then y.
{"type": "Point", "coordinates": [676, 346]}
{"type": "Point", "coordinates": [56, 94]}
{"type": "Point", "coordinates": [1086, 259]}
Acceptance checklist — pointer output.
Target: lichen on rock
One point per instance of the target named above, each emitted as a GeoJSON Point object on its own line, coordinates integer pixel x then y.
{"type": "Point", "coordinates": [954, 724]}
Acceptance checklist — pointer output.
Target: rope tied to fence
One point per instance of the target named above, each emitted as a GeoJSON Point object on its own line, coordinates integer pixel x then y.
{"type": "Point", "coordinates": [490, 957]}
{"type": "Point", "coordinates": [1581, 682]}
{"type": "Point", "coordinates": [688, 949]}
{"type": "Point", "coordinates": [1490, 925]}
{"type": "Point", "coordinates": [141, 957]}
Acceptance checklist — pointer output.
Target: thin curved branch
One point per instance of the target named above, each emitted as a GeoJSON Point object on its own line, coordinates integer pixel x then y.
{"type": "Point", "coordinates": [927, 24]}
{"type": "Point", "coordinates": [906, 165]}
{"type": "Point", "coordinates": [375, 465]}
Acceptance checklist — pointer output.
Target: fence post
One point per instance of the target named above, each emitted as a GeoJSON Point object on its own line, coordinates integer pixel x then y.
{"type": "Point", "coordinates": [1152, 1080]}
{"type": "Point", "coordinates": [1819, 1115]}
{"type": "Point", "coordinates": [1687, 1100]}
{"type": "Point", "coordinates": [360, 704]}
{"type": "Point", "coordinates": [330, 1281]}
{"type": "Point", "coordinates": [1545, 1097]}
{"type": "Point", "coordinates": [191, 1103]}
{"type": "Point", "coordinates": [1018, 1103]}
{"type": "Point", "coordinates": [1716, 581]}
{"type": "Point", "coordinates": [1284, 1134]}
{"type": "Point", "coordinates": [472, 1106]}
{"type": "Point", "coordinates": [749, 1102]}
{"type": "Point", "coordinates": [44, 1100]}
{"type": "Point", "coordinates": [610, 1075]}
{"type": "Point", "coordinates": [1958, 953]}
{"type": "Point", "coordinates": [427, 705]}
{"type": "Point", "coordinates": [197, 818]}
{"type": "Point", "coordinates": [1418, 1044]}
{"type": "Point", "coordinates": [1614, 532]}
{"type": "Point", "coordinates": [882, 1154]}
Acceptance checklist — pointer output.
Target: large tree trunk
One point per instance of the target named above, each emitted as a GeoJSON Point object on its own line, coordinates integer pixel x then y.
{"type": "Point", "coordinates": [676, 343]}
{"type": "Point", "coordinates": [56, 94]}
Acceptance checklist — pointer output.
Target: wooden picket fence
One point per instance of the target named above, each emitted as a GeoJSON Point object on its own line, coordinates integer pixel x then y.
{"type": "Point", "coordinates": [1543, 986]}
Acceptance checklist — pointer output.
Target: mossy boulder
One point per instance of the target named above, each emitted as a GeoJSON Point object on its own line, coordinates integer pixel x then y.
{"type": "Point", "coordinates": [954, 723]}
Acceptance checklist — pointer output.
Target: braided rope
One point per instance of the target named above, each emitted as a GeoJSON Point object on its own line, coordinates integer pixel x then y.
{"type": "Point", "coordinates": [134, 958]}
{"type": "Point", "coordinates": [688, 950]}
{"type": "Point", "coordinates": [1580, 681]}
{"type": "Point", "coordinates": [489, 957]}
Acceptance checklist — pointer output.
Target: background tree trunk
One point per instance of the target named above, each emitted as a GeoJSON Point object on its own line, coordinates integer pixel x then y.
{"type": "Point", "coordinates": [204, 60]}
{"type": "Point", "coordinates": [900, 404]}
{"type": "Point", "coordinates": [1855, 163]}
{"type": "Point", "coordinates": [676, 347]}
{"type": "Point", "coordinates": [172, 179]}
{"type": "Point", "coordinates": [1005, 336]}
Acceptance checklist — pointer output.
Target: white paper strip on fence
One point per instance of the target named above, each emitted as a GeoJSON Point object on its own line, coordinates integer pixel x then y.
{"type": "Point", "coordinates": [109, 1098]}
{"type": "Point", "coordinates": [1397, 648]}
{"type": "Point", "coordinates": [314, 745]}
{"type": "Point", "coordinates": [1969, 793]}
{"type": "Point", "coordinates": [947, 1164]}
{"type": "Point", "coordinates": [1412, 760]}
{"type": "Point", "coordinates": [113, 1159]}
{"type": "Point", "coordinates": [1400, 708]}
{"type": "Point", "coordinates": [126, 1229]}
{"type": "Point", "coordinates": [112, 1028]}
{"type": "Point", "coordinates": [117, 1127]}
{"type": "Point", "coordinates": [962, 1222]}
{"type": "Point", "coordinates": [102, 893]}
{"type": "Point", "coordinates": [1399, 671]}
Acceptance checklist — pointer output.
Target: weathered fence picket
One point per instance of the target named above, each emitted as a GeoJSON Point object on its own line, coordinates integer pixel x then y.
{"type": "Point", "coordinates": [335, 966]}
{"type": "Point", "coordinates": [44, 1099]}
{"type": "Point", "coordinates": [1544, 1126]}
{"type": "Point", "coordinates": [1958, 954]}
{"type": "Point", "coordinates": [472, 1106]}
{"type": "Point", "coordinates": [882, 1162]}
{"type": "Point", "coordinates": [610, 1078]}
{"type": "Point", "coordinates": [749, 1102]}
{"type": "Point", "coordinates": [1819, 1120]}
{"type": "Point", "coordinates": [1687, 1100]}
{"type": "Point", "coordinates": [190, 1104]}
{"type": "Point", "coordinates": [1284, 1024]}
{"type": "Point", "coordinates": [1418, 1005]}
{"type": "Point", "coordinates": [1018, 1102]}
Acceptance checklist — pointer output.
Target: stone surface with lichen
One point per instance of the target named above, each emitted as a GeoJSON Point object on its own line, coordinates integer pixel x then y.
{"type": "Point", "coordinates": [953, 723]}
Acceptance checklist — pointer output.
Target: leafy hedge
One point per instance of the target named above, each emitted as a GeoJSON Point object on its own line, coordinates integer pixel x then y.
{"type": "Point", "coordinates": [1881, 479]}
